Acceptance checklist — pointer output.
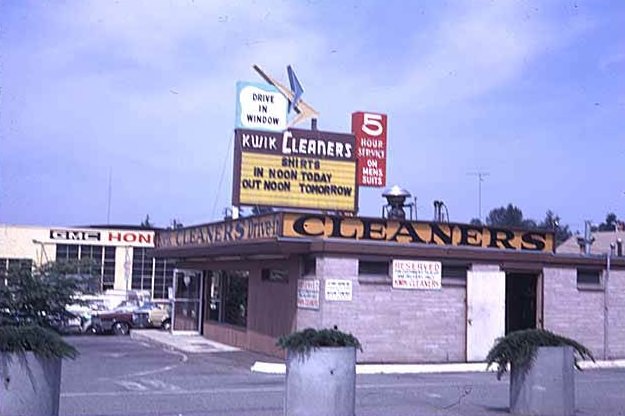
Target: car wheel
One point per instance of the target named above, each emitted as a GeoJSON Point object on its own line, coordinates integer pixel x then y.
{"type": "Point", "coordinates": [166, 325]}
{"type": "Point", "coordinates": [121, 328]}
{"type": "Point", "coordinates": [90, 330]}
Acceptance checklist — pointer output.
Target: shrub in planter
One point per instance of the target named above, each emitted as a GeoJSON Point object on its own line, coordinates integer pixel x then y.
{"type": "Point", "coordinates": [539, 358]}
{"type": "Point", "coordinates": [30, 350]}
{"type": "Point", "coordinates": [321, 372]}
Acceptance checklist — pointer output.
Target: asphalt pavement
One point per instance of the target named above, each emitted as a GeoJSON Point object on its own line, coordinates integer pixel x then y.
{"type": "Point", "coordinates": [122, 376]}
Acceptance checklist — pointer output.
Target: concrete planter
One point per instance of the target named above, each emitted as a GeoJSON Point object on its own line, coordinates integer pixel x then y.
{"type": "Point", "coordinates": [547, 387]}
{"type": "Point", "coordinates": [30, 385]}
{"type": "Point", "coordinates": [321, 383]}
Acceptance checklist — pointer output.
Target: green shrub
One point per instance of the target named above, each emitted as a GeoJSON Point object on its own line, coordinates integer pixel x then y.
{"type": "Point", "coordinates": [36, 339]}
{"type": "Point", "coordinates": [519, 348]}
{"type": "Point", "coordinates": [302, 342]}
{"type": "Point", "coordinates": [32, 300]}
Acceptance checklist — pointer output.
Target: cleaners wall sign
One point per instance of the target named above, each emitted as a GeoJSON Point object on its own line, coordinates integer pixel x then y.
{"type": "Point", "coordinates": [296, 168]}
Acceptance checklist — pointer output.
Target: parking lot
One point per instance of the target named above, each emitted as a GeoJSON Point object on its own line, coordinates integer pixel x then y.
{"type": "Point", "coordinates": [122, 376]}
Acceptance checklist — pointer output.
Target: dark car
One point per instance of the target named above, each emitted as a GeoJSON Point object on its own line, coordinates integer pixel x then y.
{"type": "Point", "coordinates": [119, 322]}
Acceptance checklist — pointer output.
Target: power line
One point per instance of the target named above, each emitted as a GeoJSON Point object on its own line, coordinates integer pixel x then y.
{"type": "Point", "coordinates": [480, 178]}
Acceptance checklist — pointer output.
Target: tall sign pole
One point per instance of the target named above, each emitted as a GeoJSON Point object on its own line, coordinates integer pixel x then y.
{"type": "Point", "coordinates": [480, 178]}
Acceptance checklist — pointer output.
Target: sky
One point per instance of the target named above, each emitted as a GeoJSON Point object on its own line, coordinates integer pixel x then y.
{"type": "Point", "coordinates": [141, 95]}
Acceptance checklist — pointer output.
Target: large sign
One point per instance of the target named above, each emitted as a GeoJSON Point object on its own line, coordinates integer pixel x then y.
{"type": "Point", "coordinates": [370, 132]}
{"type": "Point", "coordinates": [297, 168]}
{"type": "Point", "coordinates": [103, 237]}
{"type": "Point", "coordinates": [415, 232]}
{"type": "Point", "coordinates": [410, 274]}
{"type": "Point", "coordinates": [253, 228]}
{"type": "Point", "coordinates": [260, 107]}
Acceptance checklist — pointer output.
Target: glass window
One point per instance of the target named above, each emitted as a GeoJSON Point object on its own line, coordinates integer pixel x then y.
{"type": "Point", "coordinates": [275, 275]}
{"type": "Point", "coordinates": [588, 278]}
{"type": "Point", "coordinates": [454, 274]}
{"type": "Point", "coordinates": [373, 267]}
{"type": "Point", "coordinates": [227, 294]}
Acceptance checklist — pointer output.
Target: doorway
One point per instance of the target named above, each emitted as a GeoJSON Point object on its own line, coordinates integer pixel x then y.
{"type": "Point", "coordinates": [186, 308]}
{"type": "Point", "coordinates": [521, 301]}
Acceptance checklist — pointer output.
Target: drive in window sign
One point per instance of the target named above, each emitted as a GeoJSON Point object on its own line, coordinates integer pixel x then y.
{"type": "Point", "coordinates": [296, 168]}
{"type": "Point", "coordinates": [260, 107]}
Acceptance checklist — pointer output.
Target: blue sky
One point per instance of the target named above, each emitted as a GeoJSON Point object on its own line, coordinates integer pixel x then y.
{"type": "Point", "coordinates": [531, 92]}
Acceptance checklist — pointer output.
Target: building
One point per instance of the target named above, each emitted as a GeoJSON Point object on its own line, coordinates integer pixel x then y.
{"type": "Point", "coordinates": [410, 291]}
{"type": "Point", "coordinates": [603, 242]}
{"type": "Point", "coordinates": [121, 254]}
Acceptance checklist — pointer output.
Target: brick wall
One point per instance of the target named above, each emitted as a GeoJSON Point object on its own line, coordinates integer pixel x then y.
{"type": "Point", "coordinates": [571, 312]}
{"type": "Point", "coordinates": [395, 325]}
{"type": "Point", "coordinates": [616, 314]}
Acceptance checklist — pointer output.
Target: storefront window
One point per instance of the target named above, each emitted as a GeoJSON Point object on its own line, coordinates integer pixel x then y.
{"type": "Point", "coordinates": [227, 297]}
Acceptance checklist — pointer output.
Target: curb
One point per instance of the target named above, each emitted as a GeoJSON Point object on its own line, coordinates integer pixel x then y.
{"type": "Point", "coordinates": [280, 368]}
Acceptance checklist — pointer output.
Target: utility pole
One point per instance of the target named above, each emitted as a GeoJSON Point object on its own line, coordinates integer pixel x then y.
{"type": "Point", "coordinates": [108, 205]}
{"type": "Point", "coordinates": [480, 178]}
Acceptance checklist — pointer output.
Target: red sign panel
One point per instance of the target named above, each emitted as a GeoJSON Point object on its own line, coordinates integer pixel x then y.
{"type": "Point", "coordinates": [370, 132]}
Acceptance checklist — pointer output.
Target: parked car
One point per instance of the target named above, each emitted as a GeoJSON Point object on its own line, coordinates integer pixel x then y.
{"type": "Point", "coordinates": [128, 316]}
{"type": "Point", "coordinates": [158, 315]}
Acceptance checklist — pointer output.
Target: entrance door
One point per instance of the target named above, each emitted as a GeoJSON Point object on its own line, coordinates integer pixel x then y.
{"type": "Point", "coordinates": [486, 311]}
{"type": "Point", "coordinates": [521, 301]}
{"type": "Point", "coordinates": [186, 303]}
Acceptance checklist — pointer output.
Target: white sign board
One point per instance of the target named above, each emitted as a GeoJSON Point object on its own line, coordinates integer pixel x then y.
{"type": "Point", "coordinates": [308, 294]}
{"type": "Point", "coordinates": [339, 290]}
{"type": "Point", "coordinates": [410, 274]}
{"type": "Point", "coordinates": [261, 107]}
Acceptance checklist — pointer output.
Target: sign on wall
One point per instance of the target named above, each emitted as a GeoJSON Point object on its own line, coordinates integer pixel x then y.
{"type": "Point", "coordinates": [339, 290]}
{"type": "Point", "coordinates": [243, 229]}
{"type": "Point", "coordinates": [297, 168]}
{"type": "Point", "coordinates": [103, 237]}
{"type": "Point", "coordinates": [260, 107]}
{"type": "Point", "coordinates": [303, 225]}
{"type": "Point", "coordinates": [411, 274]}
{"type": "Point", "coordinates": [308, 294]}
{"type": "Point", "coordinates": [370, 131]}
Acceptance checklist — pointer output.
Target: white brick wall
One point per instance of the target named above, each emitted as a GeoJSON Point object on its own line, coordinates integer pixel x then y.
{"type": "Point", "coordinates": [616, 314]}
{"type": "Point", "coordinates": [396, 325]}
{"type": "Point", "coordinates": [577, 314]}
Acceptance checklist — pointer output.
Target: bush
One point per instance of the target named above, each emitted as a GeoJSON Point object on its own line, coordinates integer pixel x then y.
{"type": "Point", "coordinates": [30, 302]}
{"type": "Point", "coordinates": [302, 342]}
{"type": "Point", "coordinates": [518, 348]}
{"type": "Point", "coordinates": [36, 339]}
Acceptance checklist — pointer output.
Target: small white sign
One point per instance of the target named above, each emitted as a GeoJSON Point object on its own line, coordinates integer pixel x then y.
{"type": "Point", "coordinates": [339, 290]}
{"type": "Point", "coordinates": [308, 294]}
{"type": "Point", "coordinates": [410, 274]}
{"type": "Point", "coordinates": [261, 107]}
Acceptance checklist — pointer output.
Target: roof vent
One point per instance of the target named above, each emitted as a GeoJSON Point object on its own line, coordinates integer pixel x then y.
{"type": "Point", "coordinates": [396, 202]}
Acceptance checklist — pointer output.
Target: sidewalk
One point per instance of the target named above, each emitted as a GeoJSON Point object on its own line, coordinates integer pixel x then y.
{"type": "Point", "coordinates": [184, 341]}
{"type": "Point", "coordinates": [195, 343]}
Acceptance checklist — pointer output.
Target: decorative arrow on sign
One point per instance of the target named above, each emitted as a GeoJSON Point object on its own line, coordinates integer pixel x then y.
{"type": "Point", "coordinates": [296, 88]}
{"type": "Point", "coordinates": [303, 109]}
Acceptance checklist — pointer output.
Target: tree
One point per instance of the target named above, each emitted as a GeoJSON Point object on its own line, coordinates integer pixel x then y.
{"type": "Point", "coordinates": [611, 223]}
{"type": "Point", "coordinates": [509, 216]}
{"type": "Point", "coordinates": [476, 221]}
{"type": "Point", "coordinates": [37, 297]}
{"type": "Point", "coordinates": [175, 224]}
{"type": "Point", "coordinates": [552, 222]}
{"type": "Point", "coordinates": [146, 222]}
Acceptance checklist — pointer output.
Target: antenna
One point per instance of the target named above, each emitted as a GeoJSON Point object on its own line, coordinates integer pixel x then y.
{"type": "Point", "coordinates": [108, 209]}
{"type": "Point", "coordinates": [480, 178]}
